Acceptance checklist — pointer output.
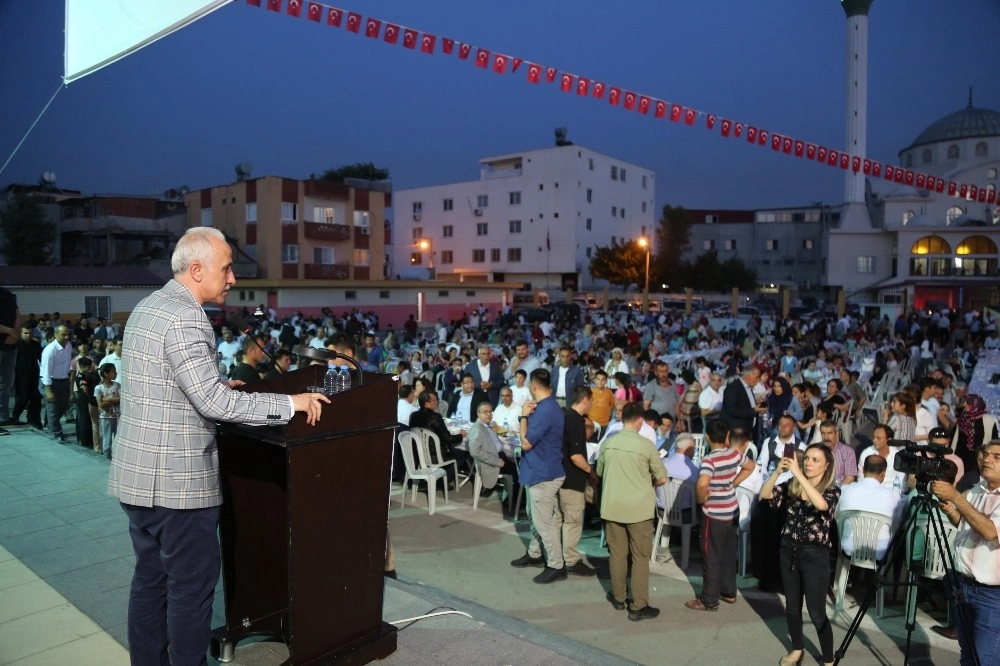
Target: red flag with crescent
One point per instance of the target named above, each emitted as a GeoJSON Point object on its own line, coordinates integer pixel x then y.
{"type": "Point", "coordinates": [253, 3]}
{"type": "Point", "coordinates": [410, 38]}
{"type": "Point", "coordinates": [550, 74]}
{"type": "Point", "coordinates": [515, 63]}
{"type": "Point", "coordinates": [661, 109]}
{"type": "Point", "coordinates": [876, 169]}
{"type": "Point", "coordinates": [710, 121]}
{"type": "Point", "coordinates": [908, 177]}
{"type": "Point", "coordinates": [811, 151]}
{"type": "Point", "coordinates": [690, 115]}
{"type": "Point", "coordinates": [786, 146]}
{"type": "Point", "coordinates": [534, 73]}
{"type": "Point", "coordinates": [644, 103]}
{"type": "Point", "coordinates": [751, 134]}
{"type": "Point", "coordinates": [463, 51]}
{"type": "Point", "coordinates": [800, 148]}
{"type": "Point", "coordinates": [821, 154]}
{"type": "Point", "coordinates": [598, 89]}
{"type": "Point", "coordinates": [482, 58]}
{"type": "Point", "coordinates": [762, 137]}
{"type": "Point", "coordinates": [500, 63]}
{"type": "Point", "coordinates": [867, 166]}
{"type": "Point", "coordinates": [963, 191]}
{"type": "Point", "coordinates": [566, 82]}
{"type": "Point", "coordinates": [832, 157]}
{"type": "Point", "coordinates": [427, 43]}
{"type": "Point", "coordinates": [921, 181]}
{"type": "Point", "coordinates": [582, 86]}
{"type": "Point", "coordinates": [447, 45]}
{"type": "Point", "coordinates": [334, 16]}
{"type": "Point", "coordinates": [952, 187]}
{"type": "Point", "coordinates": [294, 8]}
{"type": "Point", "coordinates": [845, 161]}
{"type": "Point", "coordinates": [613, 95]}
{"type": "Point", "coordinates": [314, 12]}
{"type": "Point", "coordinates": [354, 22]}
{"type": "Point", "coordinates": [391, 33]}
{"type": "Point", "coordinates": [274, 5]}
{"type": "Point", "coordinates": [775, 142]}
{"type": "Point", "coordinates": [726, 127]}
{"type": "Point", "coordinates": [676, 111]}
{"type": "Point", "coordinates": [738, 130]}
{"type": "Point", "coordinates": [630, 98]}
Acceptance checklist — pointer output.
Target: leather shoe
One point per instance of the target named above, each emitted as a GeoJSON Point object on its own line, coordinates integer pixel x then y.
{"type": "Point", "coordinates": [488, 492]}
{"type": "Point", "coordinates": [618, 605]}
{"type": "Point", "coordinates": [947, 632]}
{"type": "Point", "coordinates": [550, 575]}
{"type": "Point", "coordinates": [528, 561]}
{"type": "Point", "coordinates": [581, 569]}
{"type": "Point", "coordinates": [644, 613]}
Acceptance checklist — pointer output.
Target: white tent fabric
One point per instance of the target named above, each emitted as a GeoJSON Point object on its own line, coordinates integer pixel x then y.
{"type": "Point", "coordinates": [100, 32]}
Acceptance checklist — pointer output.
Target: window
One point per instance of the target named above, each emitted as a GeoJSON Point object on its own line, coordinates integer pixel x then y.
{"type": "Point", "coordinates": [708, 245]}
{"type": "Point", "coordinates": [478, 256]}
{"type": "Point", "coordinates": [614, 211]}
{"type": "Point", "coordinates": [589, 253]}
{"type": "Point", "coordinates": [866, 264]}
{"type": "Point", "coordinates": [807, 244]}
{"type": "Point", "coordinates": [621, 175]}
{"type": "Point", "coordinates": [362, 258]}
{"type": "Point", "coordinates": [351, 295]}
{"type": "Point", "coordinates": [322, 255]}
{"type": "Point", "coordinates": [448, 204]}
{"type": "Point", "coordinates": [623, 212]}
{"type": "Point", "coordinates": [251, 212]}
{"type": "Point", "coordinates": [513, 254]}
{"type": "Point", "coordinates": [418, 207]}
{"type": "Point", "coordinates": [246, 295]}
{"type": "Point", "coordinates": [361, 218]}
{"type": "Point", "coordinates": [442, 293]}
{"type": "Point", "coordinates": [97, 306]}
{"type": "Point", "coordinates": [590, 195]}
{"type": "Point", "coordinates": [289, 254]}
{"type": "Point", "coordinates": [909, 163]}
{"type": "Point", "coordinates": [515, 226]}
{"type": "Point", "coordinates": [206, 217]}
{"type": "Point", "coordinates": [953, 151]}
{"type": "Point", "coordinates": [643, 182]}
{"type": "Point", "coordinates": [447, 231]}
{"type": "Point", "coordinates": [953, 213]}
{"type": "Point", "coordinates": [976, 245]}
{"type": "Point", "coordinates": [591, 163]}
{"type": "Point", "coordinates": [771, 244]}
{"type": "Point", "coordinates": [383, 293]}
{"type": "Point", "coordinates": [482, 201]}
{"type": "Point", "coordinates": [470, 292]}
{"type": "Point", "coordinates": [482, 228]}
{"type": "Point", "coordinates": [541, 186]}
{"type": "Point", "coordinates": [416, 258]}
{"type": "Point", "coordinates": [418, 233]}
{"type": "Point", "coordinates": [643, 206]}
{"type": "Point", "coordinates": [495, 255]}
{"type": "Point", "coordinates": [991, 173]}
{"type": "Point", "coordinates": [931, 245]}
{"type": "Point", "coordinates": [925, 157]}
{"type": "Point", "coordinates": [907, 216]}
{"type": "Point", "coordinates": [729, 244]}
{"type": "Point", "coordinates": [556, 214]}
{"type": "Point", "coordinates": [590, 224]}
{"type": "Point", "coordinates": [289, 212]}
{"type": "Point", "coordinates": [324, 215]}
{"type": "Point", "coordinates": [981, 149]}
{"type": "Point", "coordinates": [614, 172]}
{"type": "Point", "coordinates": [614, 241]}
{"type": "Point", "coordinates": [446, 257]}
{"type": "Point", "coordinates": [557, 186]}
{"type": "Point", "coordinates": [515, 198]}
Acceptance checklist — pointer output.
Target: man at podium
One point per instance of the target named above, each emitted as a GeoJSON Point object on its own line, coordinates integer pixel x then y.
{"type": "Point", "coordinates": [165, 471]}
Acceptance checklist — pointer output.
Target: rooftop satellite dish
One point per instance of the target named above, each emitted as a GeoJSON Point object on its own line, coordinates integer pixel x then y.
{"type": "Point", "coordinates": [184, 189]}
{"type": "Point", "coordinates": [561, 137]}
{"type": "Point", "coordinates": [49, 177]}
{"type": "Point", "coordinates": [243, 170]}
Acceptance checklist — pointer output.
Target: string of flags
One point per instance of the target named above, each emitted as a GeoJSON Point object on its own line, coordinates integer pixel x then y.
{"type": "Point", "coordinates": [425, 42]}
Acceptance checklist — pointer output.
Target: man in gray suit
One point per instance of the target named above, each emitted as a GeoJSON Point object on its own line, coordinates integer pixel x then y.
{"type": "Point", "coordinates": [165, 470]}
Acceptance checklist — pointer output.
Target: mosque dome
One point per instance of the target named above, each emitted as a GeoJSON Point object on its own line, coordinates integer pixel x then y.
{"type": "Point", "coordinates": [968, 123]}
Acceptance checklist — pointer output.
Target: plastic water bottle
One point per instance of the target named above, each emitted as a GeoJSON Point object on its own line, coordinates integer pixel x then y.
{"type": "Point", "coordinates": [344, 379]}
{"type": "Point", "coordinates": [330, 383]}
{"type": "Point", "coordinates": [771, 466]}
{"type": "Point", "coordinates": [897, 485]}
{"type": "Point", "coordinates": [506, 427]}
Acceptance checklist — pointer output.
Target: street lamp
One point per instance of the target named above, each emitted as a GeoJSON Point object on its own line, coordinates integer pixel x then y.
{"type": "Point", "coordinates": [644, 243]}
{"type": "Point", "coordinates": [426, 244]}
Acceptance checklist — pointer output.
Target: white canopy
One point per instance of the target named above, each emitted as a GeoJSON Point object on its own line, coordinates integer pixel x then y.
{"type": "Point", "coordinates": [99, 32]}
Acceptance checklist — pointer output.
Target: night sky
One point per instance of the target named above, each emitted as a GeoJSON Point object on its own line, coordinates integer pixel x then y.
{"type": "Point", "coordinates": [295, 97]}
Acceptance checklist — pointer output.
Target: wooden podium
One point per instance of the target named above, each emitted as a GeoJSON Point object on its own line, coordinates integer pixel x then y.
{"type": "Point", "coordinates": [303, 525]}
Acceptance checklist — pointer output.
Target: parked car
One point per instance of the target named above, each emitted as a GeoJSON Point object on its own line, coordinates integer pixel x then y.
{"type": "Point", "coordinates": [534, 315]}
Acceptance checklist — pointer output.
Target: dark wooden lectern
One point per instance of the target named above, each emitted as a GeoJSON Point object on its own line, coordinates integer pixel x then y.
{"type": "Point", "coordinates": [303, 524]}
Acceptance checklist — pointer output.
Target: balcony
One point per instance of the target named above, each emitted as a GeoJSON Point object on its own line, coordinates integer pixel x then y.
{"type": "Point", "coordinates": [341, 271]}
{"type": "Point", "coordinates": [321, 188]}
{"type": "Point", "coordinates": [362, 272]}
{"type": "Point", "coordinates": [327, 232]}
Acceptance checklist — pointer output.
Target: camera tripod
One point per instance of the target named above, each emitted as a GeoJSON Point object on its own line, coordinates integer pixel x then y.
{"type": "Point", "coordinates": [923, 505]}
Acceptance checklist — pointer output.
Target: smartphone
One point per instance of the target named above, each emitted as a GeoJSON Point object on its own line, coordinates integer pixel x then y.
{"type": "Point", "coordinates": [789, 451]}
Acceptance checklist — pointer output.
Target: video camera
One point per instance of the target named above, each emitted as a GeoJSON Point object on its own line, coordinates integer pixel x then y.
{"type": "Point", "coordinates": [913, 459]}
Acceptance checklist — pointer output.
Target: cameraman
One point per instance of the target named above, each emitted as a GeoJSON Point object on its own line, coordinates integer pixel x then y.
{"type": "Point", "coordinates": [977, 553]}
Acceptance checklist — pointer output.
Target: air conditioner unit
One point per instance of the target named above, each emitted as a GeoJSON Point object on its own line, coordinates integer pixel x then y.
{"type": "Point", "coordinates": [366, 231]}
{"type": "Point", "coordinates": [478, 212]}
{"type": "Point", "coordinates": [416, 217]}
{"type": "Point", "coordinates": [711, 219]}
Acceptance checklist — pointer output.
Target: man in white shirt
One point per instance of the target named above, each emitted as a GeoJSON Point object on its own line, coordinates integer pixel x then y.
{"type": "Point", "coordinates": [405, 405]}
{"type": "Point", "coordinates": [774, 447]}
{"type": "Point", "coordinates": [55, 383]}
{"type": "Point", "coordinates": [710, 400]}
{"type": "Point", "coordinates": [114, 357]}
{"type": "Point", "coordinates": [227, 349]}
{"type": "Point", "coordinates": [870, 495]}
{"type": "Point", "coordinates": [506, 412]}
{"type": "Point", "coordinates": [893, 480]}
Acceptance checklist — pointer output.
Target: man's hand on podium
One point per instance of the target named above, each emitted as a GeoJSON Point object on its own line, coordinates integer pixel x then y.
{"type": "Point", "coordinates": [311, 404]}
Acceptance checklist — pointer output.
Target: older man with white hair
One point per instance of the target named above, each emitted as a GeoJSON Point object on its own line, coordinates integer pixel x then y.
{"type": "Point", "coordinates": [679, 465]}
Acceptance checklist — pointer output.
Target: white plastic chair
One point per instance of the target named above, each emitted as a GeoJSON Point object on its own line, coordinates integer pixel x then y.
{"type": "Point", "coordinates": [700, 446]}
{"type": "Point", "coordinates": [477, 487]}
{"type": "Point", "coordinates": [431, 443]}
{"type": "Point", "coordinates": [934, 567]}
{"type": "Point", "coordinates": [745, 495]}
{"type": "Point", "coordinates": [865, 528]}
{"type": "Point", "coordinates": [407, 442]}
{"type": "Point", "coordinates": [674, 493]}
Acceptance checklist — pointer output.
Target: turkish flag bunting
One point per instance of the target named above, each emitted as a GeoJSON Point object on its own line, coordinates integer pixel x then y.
{"type": "Point", "coordinates": [752, 134]}
{"type": "Point", "coordinates": [613, 95]}
{"type": "Point", "coordinates": [921, 181]}
{"type": "Point", "coordinates": [253, 3]}
{"type": "Point", "coordinates": [294, 8]}
{"type": "Point", "coordinates": [372, 28]}
{"type": "Point", "coordinates": [951, 187]}
{"type": "Point", "coordinates": [811, 151]}
{"type": "Point", "coordinates": [689, 116]}
{"type": "Point", "coordinates": [582, 86]}
{"type": "Point", "coordinates": [334, 16]}
{"type": "Point", "coordinates": [867, 166]}
{"type": "Point", "coordinates": [629, 100]}
{"type": "Point", "coordinates": [900, 176]}
{"type": "Point", "coordinates": [566, 82]}
{"type": "Point", "coordinates": [786, 146]}
{"type": "Point", "coordinates": [982, 195]}
{"type": "Point", "coordinates": [726, 125]}
{"type": "Point", "coordinates": [856, 164]}
{"type": "Point", "coordinates": [710, 121]}
{"type": "Point", "coordinates": [391, 33]}
{"type": "Point", "coordinates": [876, 169]}
{"type": "Point", "coordinates": [762, 137]}
{"type": "Point", "coordinates": [500, 63]}
{"type": "Point", "coordinates": [550, 74]}
{"type": "Point", "coordinates": [675, 112]}
{"type": "Point", "coordinates": [939, 185]}
{"type": "Point", "coordinates": [845, 161]}
{"type": "Point", "coordinates": [832, 157]}
{"type": "Point", "coordinates": [427, 43]}
{"type": "Point", "coordinates": [482, 58]}
{"type": "Point", "coordinates": [963, 191]}
{"type": "Point", "coordinates": [776, 142]}
{"type": "Point", "coordinates": [991, 196]}
{"type": "Point", "coordinates": [515, 63]}
{"type": "Point", "coordinates": [354, 22]}
{"type": "Point", "coordinates": [410, 38]}
{"type": "Point", "coordinates": [821, 154]}
{"type": "Point", "coordinates": [598, 89]}
{"type": "Point", "coordinates": [315, 12]}
{"type": "Point", "coordinates": [738, 130]}
{"type": "Point", "coordinates": [661, 109]}
{"type": "Point", "coordinates": [534, 73]}
{"type": "Point", "coordinates": [644, 103]}
{"type": "Point", "coordinates": [800, 148]}
{"type": "Point", "coordinates": [447, 45]}
{"type": "Point", "coordinates": [274, 5]}
{"type": "Point", "coordinates": [908, 177]}
{"type": "Point", "coordinates": [973, 192]}
{"type": "Point", "coordinates": [890, 172]}
{"type": "Point", "coordinates": [463, 51]}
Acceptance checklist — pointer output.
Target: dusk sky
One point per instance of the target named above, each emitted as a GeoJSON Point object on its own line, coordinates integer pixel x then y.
{"type": "Point", "coordinates": [295, 97]}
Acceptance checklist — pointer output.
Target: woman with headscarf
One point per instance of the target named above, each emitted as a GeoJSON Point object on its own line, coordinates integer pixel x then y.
{"type": "Point", "coordinates": [975, 428]}
{"type": "Point", "coordinates": [779, 399]}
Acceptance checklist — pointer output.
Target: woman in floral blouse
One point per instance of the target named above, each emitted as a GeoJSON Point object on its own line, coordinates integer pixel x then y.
{"type": "Point", "coordinates": [809, 500]}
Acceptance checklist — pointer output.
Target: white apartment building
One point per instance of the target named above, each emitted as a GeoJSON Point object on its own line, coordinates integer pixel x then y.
{"type": "Point", "coordinates": [533, 217]}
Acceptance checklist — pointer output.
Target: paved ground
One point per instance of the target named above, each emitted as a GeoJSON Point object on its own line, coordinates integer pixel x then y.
{"type": "Point", "coordinates": [66, 562]}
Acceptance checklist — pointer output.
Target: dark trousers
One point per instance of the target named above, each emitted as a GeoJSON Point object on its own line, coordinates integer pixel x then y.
{"type": "Point", "coordinates": [176, 570]}
{"type": "Point", "coordinates": [719, 539]}
{"type": "Point", "coordinates": [27, 397]}
{"type": "Point", "coordinates": [84, 428]}
{"type": "Point", "coordinates": [805, 571]}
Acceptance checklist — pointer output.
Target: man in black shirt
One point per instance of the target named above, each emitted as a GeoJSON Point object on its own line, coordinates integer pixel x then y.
{"type": "Point", "coordinates": [246, 371]}
{"type": "Point", "coordinates": [26, 376]}
{"type": "Point", "coordinates": [578, 473]}
{"type": "Point", "coordinates": [10, 327]}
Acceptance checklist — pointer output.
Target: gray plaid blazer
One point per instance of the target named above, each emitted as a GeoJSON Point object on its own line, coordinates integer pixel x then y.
{"type": "Point", "coordinates": [165, 452]}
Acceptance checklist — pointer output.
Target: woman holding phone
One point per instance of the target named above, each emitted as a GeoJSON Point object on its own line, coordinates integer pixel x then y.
{"type": "Point", "coordinates": [809, 500]}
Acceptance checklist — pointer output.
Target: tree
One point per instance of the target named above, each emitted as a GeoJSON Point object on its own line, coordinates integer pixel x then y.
{"type": "Point", "coordinates": [707, 273]}
{"type": "Point", "coordinates": [28, 235]}
{"type": "Point", "coordinates": [362, 170]}
{"type": "Point", "coordinates": [673, 238]}
{"type": "Point", "coordinates": [620, 264]}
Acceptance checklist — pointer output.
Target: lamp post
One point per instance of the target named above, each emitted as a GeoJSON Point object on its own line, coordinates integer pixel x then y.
{"type": "Point", "coordinates": [644, 243]}
{"type": "Point", "coordinates": [426, 244]}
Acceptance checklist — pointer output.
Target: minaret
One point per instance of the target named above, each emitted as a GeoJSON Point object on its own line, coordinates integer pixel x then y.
{"type": "Point", "coordinates": [856, 214]}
